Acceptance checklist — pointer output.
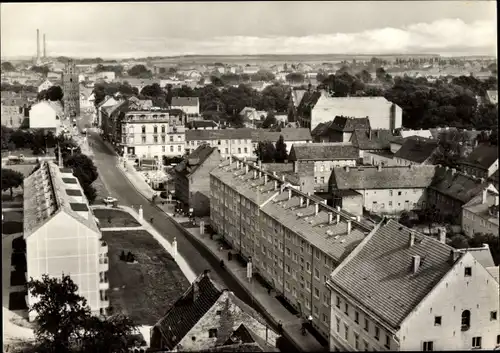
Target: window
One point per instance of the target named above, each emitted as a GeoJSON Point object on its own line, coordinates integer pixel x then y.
{"type": "Point", "coordinates": [163, 139]}
{"type": "Point", "coordinates": [346, 332]}
{"type": "Point", "coordinates": [155, 129]}
{"type": "Point", "coordinates": [212, 333]}
{"type": "Point", "coordinates": [399, 193]}
{"type": "Point", "coordinates": [143, 129]}
{"type": "Point", "coordinates": [498, 339]}
{"type": "Point", "coordinates": [163, 148]}
{"type": "Point", "coordinates": [346, 309]}
{"type": "Point", "coordinates": [377, 333]}
{"type": "Point", "coordinates": [367, 347]}
{"type": "Point", "coordinates": [155, 139]}
{"type": "Point", "coordinates": [476, 342]}
{"type": "Point", "coordinates": [367, 325]}
{"type": "Point", "coordinates": [356, 341]}
{"type": "Point", "coordinates": [326, 298]}
{"type": "Point", "coordinates": [143, 139]}
{"type": "Point", "coordinates": [390, 192]}
{"type": "Point", "coordinates": [465, 320]}
{"type": "Point", "coordinates": [437, 320]}
{"type": "Point", "coordinates": [338, 302]}
{"type": "Point", "coordinates": [171, 138]}
{"type": "Point", "coordinates": [493, 315]}
{"type": "Point", "coordinates": [171, 148]}
{"type": "Point", "coordinates": [316, 273]}
{"type": "Point", "coordinates": [218, 312]}
{"type": "Point", "coordinates": [316, 311]}
{"type": "Point", "coordinates": [356, 317]}
{"type": "Point", "coordinates": [468, 271]}
{"type": "Point", "coordinates": [316, 292]}
{"type": "Point", "coordinates": [179, 148]}
{"type": "Point", "coordinates": [428, 346]}
{"type": "Point", "coordinates": [338, 324]}
{"type": "Point", "coordinates": [163, 129]}
{"type": "Point", "coordinates": [387, 341]}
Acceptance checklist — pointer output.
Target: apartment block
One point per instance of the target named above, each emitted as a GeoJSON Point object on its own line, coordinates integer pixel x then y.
{"type": "Point", "coordinates": [480, 215]}
{"type": "Point", "coordinates": [400, 290]}
{"type": "Point", "coordinates": [62, 235]}
{"type": "Point", "coordinates": [294, 240]}
{"type": "Point", "coordinates": [236, 142]}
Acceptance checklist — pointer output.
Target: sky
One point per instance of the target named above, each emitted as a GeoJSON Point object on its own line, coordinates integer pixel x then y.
{"type": "Point", "coordinates": [124, 30]}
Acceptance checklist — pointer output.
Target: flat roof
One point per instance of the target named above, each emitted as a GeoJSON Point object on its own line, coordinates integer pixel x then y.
{"type": "Point", "coordinates": [66, 170]}
{"type": "Point", "coordinates": [73, 192]}
{"type": "Point", "coordinates": [69, 180]}
{"type": "Point", "coordinates": [78, 207]}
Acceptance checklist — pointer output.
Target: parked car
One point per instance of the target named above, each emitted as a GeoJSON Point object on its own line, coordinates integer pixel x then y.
{"type": "Point", "coordinates": [110, 200]}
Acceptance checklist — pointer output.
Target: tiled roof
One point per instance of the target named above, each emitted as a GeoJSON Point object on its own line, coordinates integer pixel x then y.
{"type": "Point", "coordinates": [483, 156]}
{"type": "Point", "coordinates": [417, 149]}
{"type": "Point", "coordinates": [347, 124]}
{"type": "Point", "coordinates": [321, 129]}
{"type": "Point", "coordinates": [220, 134]}
{"type": "Point", "coordinates": [483, 210]}
{"type": "Point", "coordinates": [457, 185]}
{"type": "Point", "coordinates": [380, 276]}
{"type": "Point", "coordinates": [184, 101]}
{"type": "Point", "coordinates": [374, 140]}
{"type": "Point", "coordinates": [309, 100]}
{"type": "Point", "coordinates": [186, 311]}
{"type": "Point", "coordinates": [331, 238]}
{"type": "Point", "coordinates": [323, 152]}
{"type": "Point", "coordinates": [357, 178]}
{"type": "Point", "coordinates": [421, 133]}
{"type": "Point", "coordinates": [45, 196]}
{"type": "Point", "coordinates": [482, 255]}
{"type": "Point", "coordinates": [195, 159]}
{"type": "Point", "coordinates": [196, 124]}
{"type": "Point", "coordinates": [297, 95]}
{"type": "Point", "coordinates": [289, 134]}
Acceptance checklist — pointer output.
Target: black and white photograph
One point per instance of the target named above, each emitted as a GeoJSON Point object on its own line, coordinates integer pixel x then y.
{"type": "Point", "coordinates": [250, 176]}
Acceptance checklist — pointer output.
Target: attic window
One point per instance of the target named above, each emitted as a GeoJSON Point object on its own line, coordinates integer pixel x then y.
{"type": "Point", "coordinates": [212, 333]}
{"type": "Point", "coordinates": [218, 312]}
{"type": "Point", "coordinates": [468, 271]}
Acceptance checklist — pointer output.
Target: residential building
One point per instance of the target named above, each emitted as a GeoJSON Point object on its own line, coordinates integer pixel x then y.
{"type": "Point", "coordinates": [213, 319]}
{"type": "Point", "coordinates": [45, 85]}
{"type": "Point", "coordinates": [340, 129]}
{"type": "Point", "coordinates": [480, 214]}
{"type": "Point", "coordinates": [192, 179]}
{"type": "Point", "coordinates": [189, 105]}
{"type": "Point", "coordinates": [451, 190]}
{"type": "Point", "coordinates": [300, 175]}
{"type": "Point", "coordinates": [108, 101]}
{"type": "Point", "coordinates": [250, 70]}
{"type": "Point", "coordinates": [416, 150]}
{"type": "Point", "coordinates": [46, 115]}
{"type": "Point", "coordinates": [294, 239]}
{"type": "Point", "coordinates": [202, 125]}
{"type": "Point", "coordinates": [295, 98]}
{"type": "Point", "coordinates": [291, 136]}
{"type": "Point", "coordinates": [150, 133]}
{"type": "Point", "coordinates": [14, 111]}
{"type": "Point", "coordinates": [373, 146]}
{"type": "Point", "coordinates": [400, 290]}
{"type": "Point", "coordinates": [324, 157]}
{"type": "Point", "coordinates": [228, 141]}
{"type": "Point", "coordinates": [320, 108]}
{"type": "Point", "coordinates": [404, 133]}
{"type": "Point", "coordinates": [381, 190]}
{"type": "Point", "coordinates": [71, 90]}
{"type": "Point", "coordinates": [62, 235]}
{"type": "Point", "coordinates": [481, 162]}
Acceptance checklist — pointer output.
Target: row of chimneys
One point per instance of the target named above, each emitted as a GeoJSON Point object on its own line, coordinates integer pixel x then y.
{"type": "Point", "coordinates": [416, 260]}
{"type": "Point", "coordinates": [258, 173]}
{"type": "Point", "coordinates": [379, 167]}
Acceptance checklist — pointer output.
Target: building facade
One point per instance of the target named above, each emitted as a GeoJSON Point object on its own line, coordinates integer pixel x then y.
{"type": "Point", "coordinates": [236, 142]}
{"type": "Point", "coordinates": [426, 300]}
{"type": "Point", "coordinates": [71, 90]}
{"type": "Point", "coordinates": [62, 236]}
{"type": "Point", "coordinates": [46, 115]}
{"type": "Point", "coordinates": [480, 215]}
{"type": "Point", "coordinates": [189, 105]}
{"type": "Point", "coordinates": [293, 240]}
{"type": "Point", "coordinates": [14, 112]}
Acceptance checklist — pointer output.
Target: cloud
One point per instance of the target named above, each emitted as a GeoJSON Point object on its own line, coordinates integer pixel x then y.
{"type": "Point", "coordinates": [446, 36]}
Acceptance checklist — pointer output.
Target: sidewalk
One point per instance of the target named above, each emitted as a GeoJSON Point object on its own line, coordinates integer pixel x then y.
{"type": "Point", "coordinates": [273, 309]}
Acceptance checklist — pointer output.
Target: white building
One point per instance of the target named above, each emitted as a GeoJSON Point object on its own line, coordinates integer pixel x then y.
{"type": "Point", "coordinates": [152, 134]}
{"type": "Point", "coordinates": [189, 105]}
{"type": "Point", "coordinates": [45, 85]}
{"type": "Point", "coordinates": [62, 235]}
{"type": "Point", "coordinates": [46, 115]}
{"type": "Point", "coordinates": [382, 113]}
{"type": "Point", "coordinates": [236, 142]}
{"type": "Point", "coordinates": [402, 290]}
{"type": "Point", "coordinates": [480, 214]}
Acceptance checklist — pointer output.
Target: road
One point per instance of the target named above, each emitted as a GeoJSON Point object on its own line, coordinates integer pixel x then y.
{"type": "Point", "coordinates": [198, 258]}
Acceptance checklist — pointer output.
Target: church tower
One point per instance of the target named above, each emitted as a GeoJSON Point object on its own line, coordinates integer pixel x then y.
{"type": "Point", "coordinates": [71, 90]}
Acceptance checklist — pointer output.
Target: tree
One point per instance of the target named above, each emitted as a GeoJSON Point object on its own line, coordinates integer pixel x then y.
{"type": "Point", "coordinates": [65, 323]}
{"type": "Point", "coordinates": [269, 121]}
{"type": "Point", "coordinates": [153, 90]}
{"type": "Point", "coordinates": [295, 77]}
{"type": "Point", "coordinates": [6, 134]}
{"type": "Point", "coordinates": [7, 66]}
{"type": "Point", "coordinates": [140, 71]}
{"type": "Point", "coordinates": [265, 151]}
{"type": "Point", "coordinates": [281, 154]}
{"type": "Point", "coordinates": [11, 179]}
{"type": "Point", "coordinates": [55, 93]}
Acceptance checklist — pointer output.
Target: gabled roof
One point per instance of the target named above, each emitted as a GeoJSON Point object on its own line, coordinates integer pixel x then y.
{"type": "Point", "coordinates": [417, 149]}
{"type": "Point", "coordinates": [188, 310]}
{"type": "Point", "coordinates": [220, 134]}
{"type": "Point", "coordinates": [492, 96]}
{"type": "Point", "coordinates": [321, 129]}
{"type": "Point", "coordinates": [393, 177]}
{"type": "Point", "coordinates": [487, 210]}
{"type": "Point", "coordinates": [322, 152]}
{"type": "Point", "coordinates": [297, 95]}
{"type": "Point", "coordinates": [185, 101]}
{"type": "Point", "coordinates": [380, 277]}
{"type": "Point", "coordinates": [295, 134]}
{"type": "Point", "coordinates": [346, 124]}
{"type": "Point", "coordinates": [372, 139]}
{"type": "Point", "coordinates": [457, 185]}
{"type": "Point", "coordinates": [195, 159]}
{"type": "Point", "coordinates": [195, 124]}
{"type": "Point", "coordinates": [483, 156]}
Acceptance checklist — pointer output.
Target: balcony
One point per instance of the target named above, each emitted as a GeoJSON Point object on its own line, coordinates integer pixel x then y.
{"type": "Point", "coordinates": [103, 264]}
{"type": "Point", "coordinates": [104, 303]}
{"type": "Point", "coordinates": [103, 249]}
{"type": "Point", "coordinates": [104, 284]}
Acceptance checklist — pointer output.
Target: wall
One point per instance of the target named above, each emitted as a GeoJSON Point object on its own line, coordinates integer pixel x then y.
{"type": "Point", "coordinates": [377, 159]}
{"type": "Point", "coordinates": [446, 205]}
{"type": "Point", "coordinates": [189, 109]}
{"type": "Point", "coordinates": [237, 147]}
{"type": "Point", "coordinates": [11, 117]}
{"type": "Point", "coordinates": [352, 204]}
{"type": "Point", "coordinates": [473, 223]}
{"type": "Point", "coordinates": [50, 250]}
{"type": "Point", "coordinates": [43, 116]}
{"type": "Point", "coordinates": [416, 197]}
{"type": "Point", "coordinates": [452, 295]}
{"type": "Point", "coordinates": [199, 188]}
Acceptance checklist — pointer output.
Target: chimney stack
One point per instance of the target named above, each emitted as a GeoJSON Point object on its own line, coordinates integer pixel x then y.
{"type": "Point", "coordinates": [412, 239]}
{"type": "Point", "coordinates": [265, 178]}
{"type": "Point", "coordinates": [196, 291]}
{"type": "Point", "coordinates": [275, 185]}
{"type": "Point", "coordinates": [254, 174]}
{"type": "Point", "coordinates": [37, 44]}
{"type": "Point", "coordinates": [301, 201]}
{"type": "Point", "coordinates": [496, 200]}
{"type": "Point", "coordinates": [295, 167]}
{"type": "Point", "coordinates": [454, 254]}
{"type": "Point", "coordinates": [349, 226]}
{"type": "Point", "coordinates": [230, 160]}
{"type": "Point", "coordinates": [289, 194]}
{"type": "Point", "coordinates": [485, 196]}
{"type": "Point", "coordinates": [330, 217]}
{"type": "Point", "coordinates": [415, 263]}
{"type": "Point", "coordinates": [283, 178]}
{"type": "Point", "coordinates": [347, 168]}
{"type": "Point", "coordinates": [379, 167]}
{"type": "Point", "coordinates": [260, 164]}
{"type": "Point", "coordinates": [442, 235]}
{"type": "Point", "coordinates": [246, 168]}
{"type": "Point", "coordinates": [44, 47]}
{"type": "Point", "coordinates": [316, 209]}
{"type": "Point", "coordinates": [307, 199]}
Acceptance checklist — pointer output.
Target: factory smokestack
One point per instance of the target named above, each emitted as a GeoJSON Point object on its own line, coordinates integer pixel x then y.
{"type": "Point", "coordinates": [37, 44]}
{"type": "Point", "coordinates": [44, 47]}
